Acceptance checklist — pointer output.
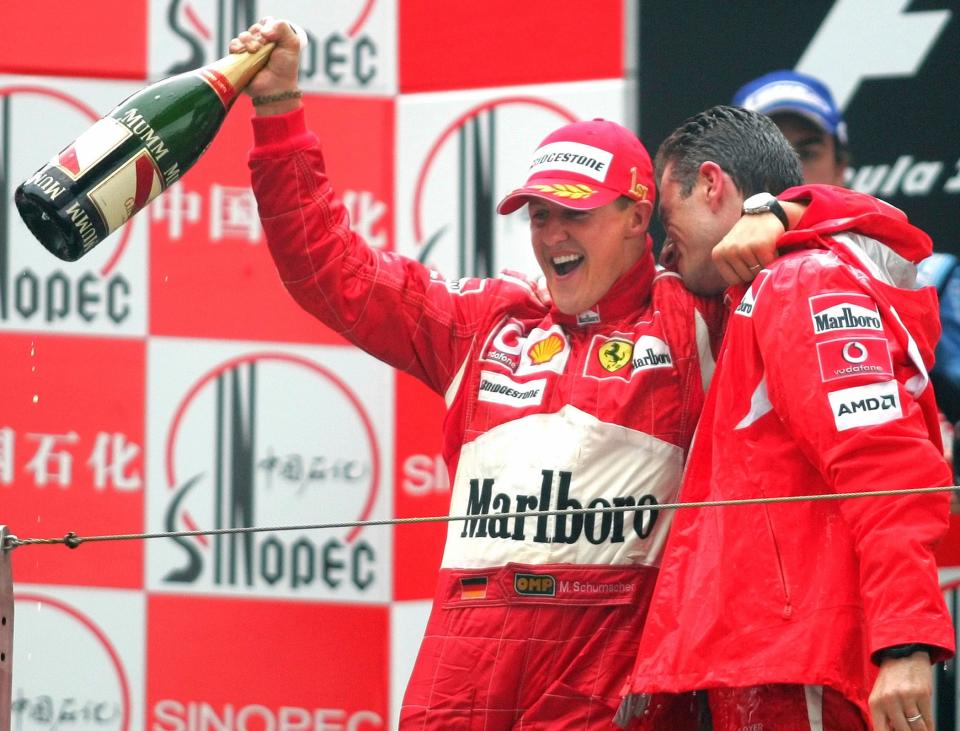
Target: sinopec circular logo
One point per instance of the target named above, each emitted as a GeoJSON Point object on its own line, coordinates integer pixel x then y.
{"type": "Point", "coordinates": [479, 155]}
{"type": "Point", "coordinates": [69, 674]}
{"type": "Point", "coordinates": [271, 440]}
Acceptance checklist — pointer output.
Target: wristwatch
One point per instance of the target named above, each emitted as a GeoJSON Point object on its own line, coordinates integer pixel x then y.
{"type": "Point", "coordinates": [896, 652]}
{"type": "Point", "coordinates": [764, 202]}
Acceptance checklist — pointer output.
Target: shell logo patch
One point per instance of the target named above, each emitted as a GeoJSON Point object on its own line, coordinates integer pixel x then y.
{"type": "Point", "coordinates": [543, 351]}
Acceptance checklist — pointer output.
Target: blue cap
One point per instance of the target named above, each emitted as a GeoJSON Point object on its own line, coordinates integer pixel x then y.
{"type": "Point", "coordinates": [790, 91]}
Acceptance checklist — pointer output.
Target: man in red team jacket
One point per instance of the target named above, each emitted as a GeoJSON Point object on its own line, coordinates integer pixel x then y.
{"type": "Point", "coordinates": [788, 614]}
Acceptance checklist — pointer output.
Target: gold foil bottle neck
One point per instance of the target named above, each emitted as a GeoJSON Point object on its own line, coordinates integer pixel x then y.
{"type": "Point", "coordinates": [240, 68]}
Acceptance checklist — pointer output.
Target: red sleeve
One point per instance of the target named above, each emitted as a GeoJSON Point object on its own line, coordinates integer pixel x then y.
{"type": "Point", "coordinates": [391, 306]}
{"type": "Point", "coordinates": [832, 209]}
{"type": "Point", "coordinates": [863, 431]}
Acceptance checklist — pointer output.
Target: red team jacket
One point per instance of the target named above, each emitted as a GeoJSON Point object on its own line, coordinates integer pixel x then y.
{"type": "Point", "coordinates": [820, 387]}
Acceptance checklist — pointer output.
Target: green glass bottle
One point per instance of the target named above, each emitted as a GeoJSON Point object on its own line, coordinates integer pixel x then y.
{"type": "Point", "coordinates": [131, 155]}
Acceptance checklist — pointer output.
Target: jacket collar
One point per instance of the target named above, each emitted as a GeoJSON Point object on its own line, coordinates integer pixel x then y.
{"type": "Point", "coordinates": [627, 295]}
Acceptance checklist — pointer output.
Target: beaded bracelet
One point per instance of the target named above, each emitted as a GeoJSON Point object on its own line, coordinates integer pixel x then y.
{"type": "Point", "coordinates": [278, 97]}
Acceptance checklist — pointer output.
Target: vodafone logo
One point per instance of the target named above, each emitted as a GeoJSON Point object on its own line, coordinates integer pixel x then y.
{"type": "Point", "coordinates": [270, 439]}
{"type": "Point", "coordinates": [47, 694]}
{"type": "Point", "coordinates": [506, 346]}
{"type": "Point", "coordinates": [854, 352]}
{"type": "Point", "coordinates": [36, 290]}
{"type": "Point", "coordinates": [507, 338]}
{"type": "Point", "coordinates": [843, 357]}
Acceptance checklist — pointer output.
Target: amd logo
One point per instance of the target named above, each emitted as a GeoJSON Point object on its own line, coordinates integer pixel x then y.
{"type": "Point", "coordinates": [875, 403]}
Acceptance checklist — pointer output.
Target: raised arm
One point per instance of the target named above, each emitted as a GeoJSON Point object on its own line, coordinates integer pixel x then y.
{"type": "Point", "coordinates": [391, 306]}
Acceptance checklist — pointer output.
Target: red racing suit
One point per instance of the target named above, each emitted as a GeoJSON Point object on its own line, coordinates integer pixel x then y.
{"type": "Point", "coordinates": [821, 386]}
{"type": "Point", "coordinates": [536, 617]}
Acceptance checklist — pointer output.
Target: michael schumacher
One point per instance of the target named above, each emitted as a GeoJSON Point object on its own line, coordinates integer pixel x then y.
{"type": "Point", "coordinates": [581, 390]}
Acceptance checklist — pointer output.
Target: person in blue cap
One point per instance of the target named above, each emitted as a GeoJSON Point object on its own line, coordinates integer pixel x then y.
{"type": "Point", "coordinates": [807, 115]}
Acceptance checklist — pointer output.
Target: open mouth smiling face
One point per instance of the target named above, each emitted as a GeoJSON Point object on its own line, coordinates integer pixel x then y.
{"type": "Point", "coordinates": [566, 263]}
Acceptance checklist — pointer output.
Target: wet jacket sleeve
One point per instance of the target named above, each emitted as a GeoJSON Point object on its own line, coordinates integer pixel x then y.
{"type": "Point", "coordinates": [835, 376]}
{"type": "Point", "coordinates": [391, 306]}
{"type": "Point", "coordinates": [831, 209]}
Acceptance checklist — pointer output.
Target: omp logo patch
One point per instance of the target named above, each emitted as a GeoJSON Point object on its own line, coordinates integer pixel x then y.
{"type": "Point", "coordinates": [876, 403]}
{"type": "Point", "coordinates": [745, 308]}
{"type": "Point", "coordinates": [845, 357]}
{"type": "Point", "coordinates": [573, 157]}
{"type": "Point", "coordinates": [498, 389]}
{"type": "Point", "coordinates": [839, 311]}
{"type": "Point", "coordinates": [534, 585]}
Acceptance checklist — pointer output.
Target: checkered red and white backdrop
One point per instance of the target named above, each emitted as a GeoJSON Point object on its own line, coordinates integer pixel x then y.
{"type": "Point", "coordinates": [166, 381]}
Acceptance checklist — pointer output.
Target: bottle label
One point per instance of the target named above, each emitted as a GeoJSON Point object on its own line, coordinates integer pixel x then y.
{"type": "Point", "coordinates": [91, 147]}
{"type": "Point", "coordinates": [126, 190]}
{"type": "Point", "coordinates": [220, 84]}
{"type": "Point", "coordinates": [134, 121]}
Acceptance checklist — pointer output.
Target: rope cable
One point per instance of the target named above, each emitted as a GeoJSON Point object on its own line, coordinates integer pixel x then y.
{"type": "Point", "coordinates": [72, 540]}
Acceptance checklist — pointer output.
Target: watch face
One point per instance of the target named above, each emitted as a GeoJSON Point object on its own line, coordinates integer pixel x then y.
{"type": "Point", "coordinates": [758, 203]}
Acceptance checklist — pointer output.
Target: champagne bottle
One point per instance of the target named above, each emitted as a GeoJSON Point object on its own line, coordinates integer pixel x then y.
{"type": "Point", "coordinates": [131, 155]}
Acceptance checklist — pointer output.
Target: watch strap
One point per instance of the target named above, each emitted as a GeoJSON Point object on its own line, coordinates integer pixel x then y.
{"type": "Point", "coordinates": [896, 652]}
{"type": "Point", "coordinates": [777, 210]}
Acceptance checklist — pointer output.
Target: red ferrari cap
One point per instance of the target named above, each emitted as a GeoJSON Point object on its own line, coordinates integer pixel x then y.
{"type": "Point", "coordinates": [586, 165]}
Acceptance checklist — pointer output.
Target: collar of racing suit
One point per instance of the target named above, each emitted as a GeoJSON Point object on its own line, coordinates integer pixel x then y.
{"type": "Point", "coordinates": [628, 294]}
